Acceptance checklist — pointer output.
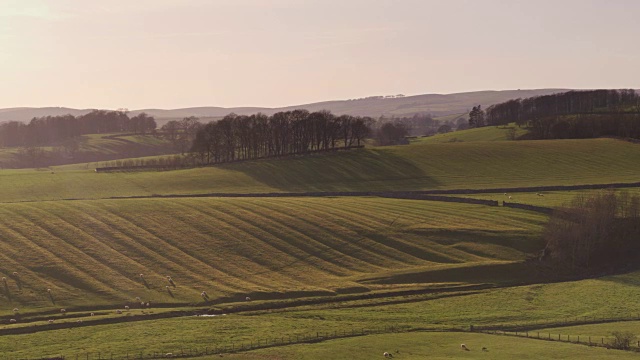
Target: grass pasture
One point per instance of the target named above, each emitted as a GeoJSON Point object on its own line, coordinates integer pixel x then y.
{"type": "Point", "coordinates": [92, 252]}
{"type": "Point", "coordinates": [466, 165]}
{"type": "Point", "coordinates": [487, 133]}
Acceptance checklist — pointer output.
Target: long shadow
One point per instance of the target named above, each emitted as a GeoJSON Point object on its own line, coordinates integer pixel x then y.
{"type": "Point", "coordinates": [7, 292]}
{"type": "Point", "coordinates": [352, 170]}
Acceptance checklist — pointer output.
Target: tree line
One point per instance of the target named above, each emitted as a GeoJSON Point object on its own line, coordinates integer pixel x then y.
{"type": "Point", "coordinates": [595, 233]}
{"type": "Point", "coordinates": [243, 137]}
{"type": "Point", "coordinates": [573, 114]}
{"type": "Point", "coordinates": [50, 130]}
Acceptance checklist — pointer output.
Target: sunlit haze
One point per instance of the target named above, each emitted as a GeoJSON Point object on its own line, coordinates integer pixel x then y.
{"type": "Point", "coordinates": [182, 53]}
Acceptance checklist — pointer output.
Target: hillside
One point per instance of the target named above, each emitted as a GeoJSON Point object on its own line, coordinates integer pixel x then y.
{"type": "Point", "coordinates": [92, 252]}
{"type": "Point", "coordinates": [436, 104]}
{"type": "Point", "coordinates": [468, 165]}
{"type": "Point", "coordinates": [89, 148]}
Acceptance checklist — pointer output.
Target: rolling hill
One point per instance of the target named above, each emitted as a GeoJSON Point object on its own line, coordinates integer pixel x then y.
{"type": "Point", "coordinates": [436, 104]}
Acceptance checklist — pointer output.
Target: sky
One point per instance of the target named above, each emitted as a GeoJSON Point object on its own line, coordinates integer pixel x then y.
{"type": "Point", "coordinates": [169, 54]}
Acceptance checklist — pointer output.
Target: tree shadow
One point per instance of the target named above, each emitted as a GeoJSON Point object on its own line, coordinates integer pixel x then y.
{"type": "Point", "coordinates": [352, 170]}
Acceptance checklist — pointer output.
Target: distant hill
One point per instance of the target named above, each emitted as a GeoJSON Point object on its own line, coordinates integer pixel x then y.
{"type": "Point", "coordinates": [436, 104]}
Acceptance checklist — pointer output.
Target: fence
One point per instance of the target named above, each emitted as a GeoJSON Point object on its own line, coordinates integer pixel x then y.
{"type": "Point", "coordinates": [532, 330]}
{"type": "Point", "coordinates": [602, 341]}
{"type": "Point", "coordinates": [233, 347]}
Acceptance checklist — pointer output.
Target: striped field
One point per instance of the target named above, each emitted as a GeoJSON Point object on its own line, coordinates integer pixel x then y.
{"type": "Point", "coordinates": [92, 252]}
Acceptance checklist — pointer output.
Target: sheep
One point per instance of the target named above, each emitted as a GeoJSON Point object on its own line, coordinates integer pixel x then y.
{"type": "Point", "coordinates": [4, 278]}
{"type": "Point", "coordinates": [142, 304]}
{"type": "Point", "coordinates": [142, 275]}
{"type": "Point", "coordinates": [505, 194]}
{"type": "Point", "coordinates": [509, 197]}
{"type": "Point", "coordinates": [147, 304]}
{"type": "Point", "coordinates": [79, 321]}
{"type": "Point", "coordinates": [13, 321]}
{"type": "Point", "coordinates": [49, 290]}
{"type": "Point", "coordinates": [387, 355]}
{"type": "Point", "coordinates": [15, 273]}
{"type": "Point", "coordinates": [540, 194]}
{"type": "Point", "coordinates": [137, 298]}
{"type": "Point", "coordinates": [118, 311]}
{"type": "Point", "coordinates": [63, 311]}
{"type": "Point", "coordinates": [51, 321]}
{"type": "Point", "coordinates": [168, 354]}
{"type": "Point", "coordinates": [247, 299]}
{"type": "Point", "coordinates": [15, 310]}
{"type": "Point", "coordinates": [92, 314]}
{"type": "Point", "coordinates": [464, 347]}
{"type": "Point", "coordinates": [126, 307]}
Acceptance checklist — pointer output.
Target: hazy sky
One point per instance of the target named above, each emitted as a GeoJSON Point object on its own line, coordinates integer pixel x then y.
{"type": "Point", "coordinates": [181, 53]}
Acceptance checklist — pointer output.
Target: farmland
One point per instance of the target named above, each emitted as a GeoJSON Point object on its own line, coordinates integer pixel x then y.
{"type": "Point", "coordinates": [308, 264]}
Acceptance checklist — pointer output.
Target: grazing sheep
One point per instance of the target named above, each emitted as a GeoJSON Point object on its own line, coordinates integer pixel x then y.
{"type": "Point", "coordinates": [63, 311]}
{"type": "Point", "coordinates": [92, 314]}
{"type": "Point", "coordinates": [168, 354]}
{"type": "Point", "coordinates": [464, 347]}
{"type": "Point", "coordinates": [137, 298]}
{"type": "Point", "coordinates": [387, 355]}
{"type": "Point", "coordinates": [126, 308]}
{"type": "Point", "coordinates": [142, 304]}
{"type": "Point", "coordinates": [509, 197]}
{"type": "Point", "coordinates": [147, 304]}
{"type": "Point", "coordinates": [16, 310]}
{"type": "Point", "coordinates": [141, 275]}
{"type": "Point", "coordinates": [13, 321]}
{"type": "Point", "coordinates": [50, 321]}
{"type": "Point", "coordinates": [505, 194]}
{"type": "Point", "coordinates": [15, 273]}
{"type": "Point", "coordinates": [118, 311]}
{"type": "Point", "coordinates": [4, 279]}
{"type": "Point", "coordinates": [247, 298]}
{"type": "Point", "coordinates": [79, 321]}
{"type": "Point", "coordinates": [540, 194]}
{"type": "Point", "coordinates": [48, 290]}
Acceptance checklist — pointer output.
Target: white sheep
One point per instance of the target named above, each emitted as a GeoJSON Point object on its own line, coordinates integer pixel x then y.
{"type": "Point", "coordinates": [247, 298]}
{"type": "Point", "coordinates": [50, 321]}
{"type": "Point", "coordinates": [387, 354]}
{"type": "Point", "coordinates": [147, 304]}
{"type": "Point", "coordinates": [505, 194]}
{"type": "Point", "coordinates": [79, 321]}
{"type": "Point", "coordinates": [509, 197]}
{"type": "Point", "coordinates": [4, 278]}
{"type": "Point", "coordinates": [168, 354]}
{"type": "Point", "coordinates": [63, 311]}
{"type": "Point", "coordinates": [126, 307]}
{"type": "Point", "coordinates": [49, 290]}
{"type": "Point", "coordinates": [464, 347]}
{"type": "Point", "coordinates": [92, 314]}
{"type": "Point", "coordinates": [15, 273]}
{"type": "Point", "coordinates": [141, 275]}
{"type": "Point", "coordinates": [15, 310]}
{"type": "Point", "coordinates": [137, 298]}
{"type": "Point", "coordinates": [118, 311]}
{"type": "Point", "coordinates": [13, 321]}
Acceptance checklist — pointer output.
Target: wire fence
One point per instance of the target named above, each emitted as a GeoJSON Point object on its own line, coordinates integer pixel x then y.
{"type": "Point", "coordinates": [229, 347]}
{"type": "Point", "coordinates": [608, 342]}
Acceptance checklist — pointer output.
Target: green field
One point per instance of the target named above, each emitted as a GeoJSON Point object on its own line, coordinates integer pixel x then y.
{"type": "Point", "coordinates": [487, 133]}
{"type": "Point", "coordinates": [470, 165]}
{"type": "Point", "coordinates": [92, 252]}
{"type": "Point", "coordinates": [309, 265]}
{"type": "Point", "coordinates": [95, 147]}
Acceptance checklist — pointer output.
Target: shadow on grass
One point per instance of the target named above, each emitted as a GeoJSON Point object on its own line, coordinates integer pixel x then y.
{"type": "Point", "coordinates": [362, 169]}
